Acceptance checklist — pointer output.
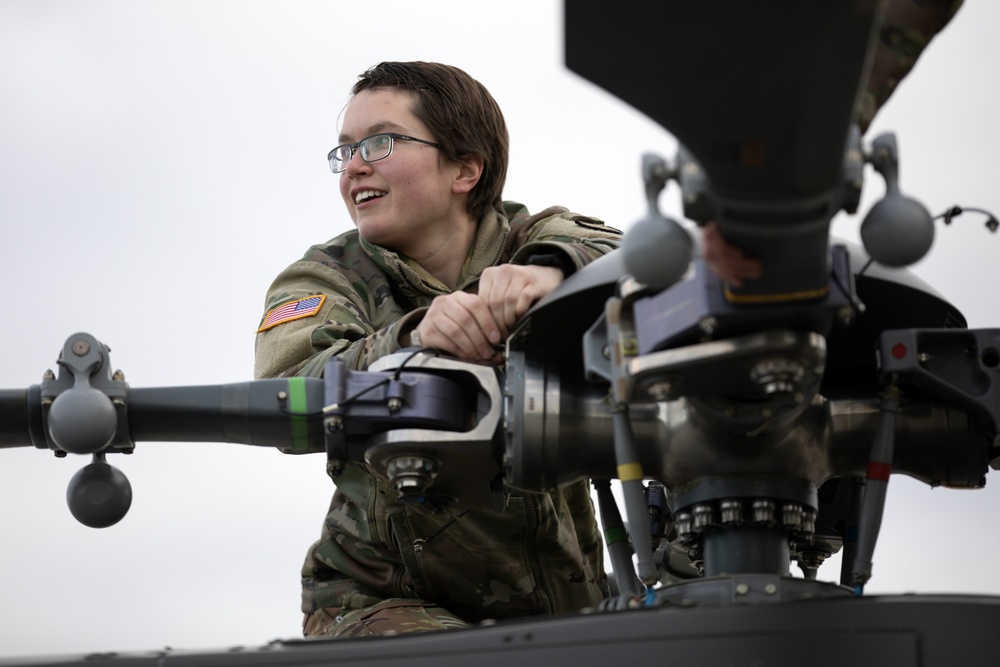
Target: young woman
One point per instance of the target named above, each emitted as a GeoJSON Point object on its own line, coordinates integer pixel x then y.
{"type": "Point", "coordinates": [437, 259]}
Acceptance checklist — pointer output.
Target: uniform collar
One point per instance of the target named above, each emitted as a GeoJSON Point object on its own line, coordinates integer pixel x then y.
{"type": "Point", "coordinates": [487, 250]}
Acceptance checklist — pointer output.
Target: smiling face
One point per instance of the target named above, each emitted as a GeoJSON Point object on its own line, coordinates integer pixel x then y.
{"type": "Point", "coordinates": [413, 201]}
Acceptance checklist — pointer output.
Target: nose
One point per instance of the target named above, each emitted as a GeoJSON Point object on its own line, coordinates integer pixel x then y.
{"type": "Point", "coordinates": [357, 164]}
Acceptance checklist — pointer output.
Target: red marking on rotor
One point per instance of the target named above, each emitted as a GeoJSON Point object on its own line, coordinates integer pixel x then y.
{"type": "Point", "coordinates": [879, 471]}
{"type": "Point", "coordinates": [899, 350]}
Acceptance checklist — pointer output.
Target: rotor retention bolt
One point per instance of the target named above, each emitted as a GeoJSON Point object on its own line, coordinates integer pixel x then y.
{"type": "Point", "coordinates": [732, 511]}
{"type": "Point", "coordinates": [684, 520]}
{"type": "Point", "coordinates": [791, 515]}
{"type": "Point", "coordinates": [742, 589]}
{"type": "Point", "coordinates": [808, 521]}
{"type": "Point", "coordinates": [704, 515]}
{"type": "Point", "coordinates": [81, 347]}
{"type": "Point", "coordinates": [763, 511]}
{"type": "Point", "coordinates": [770, 589]}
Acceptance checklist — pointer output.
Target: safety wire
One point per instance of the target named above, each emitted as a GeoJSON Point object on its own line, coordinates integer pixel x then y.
{"type": "Point", "coordinates": [991, 224]}
{"type": "Point", "coordinates": [333, 407]}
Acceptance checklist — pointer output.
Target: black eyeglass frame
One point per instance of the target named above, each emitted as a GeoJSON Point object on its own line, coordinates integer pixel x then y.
{"type": "Point", "coordinates": [393, 137]}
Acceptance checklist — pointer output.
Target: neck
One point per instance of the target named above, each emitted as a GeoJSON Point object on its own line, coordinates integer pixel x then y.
{"type": "Point", "coordinates": [444, 255]}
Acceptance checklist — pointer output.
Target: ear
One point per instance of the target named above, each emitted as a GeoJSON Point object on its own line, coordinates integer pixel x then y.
{"type": "Point", "coordinates": [470, 169]}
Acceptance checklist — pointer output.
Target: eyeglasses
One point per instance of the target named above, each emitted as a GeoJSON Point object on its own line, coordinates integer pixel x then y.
{"type": "Point", "coordinates": [375, 147]}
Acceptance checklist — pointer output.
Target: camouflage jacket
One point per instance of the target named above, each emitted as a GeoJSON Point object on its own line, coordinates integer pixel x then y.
{"type": "Point", "coordinates": [544, 553]}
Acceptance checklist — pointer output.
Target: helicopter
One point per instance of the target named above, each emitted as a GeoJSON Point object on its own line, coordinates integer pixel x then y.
{"type": "Point", "coordinates": [540, 313]}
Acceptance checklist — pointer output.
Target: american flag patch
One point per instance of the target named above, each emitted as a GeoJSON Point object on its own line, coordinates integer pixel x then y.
{"type": "Point", "coordinates": [293, 310]}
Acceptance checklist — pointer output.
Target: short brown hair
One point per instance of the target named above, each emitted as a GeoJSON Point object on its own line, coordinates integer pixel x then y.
{"type": "Point", "coordinates": [462, 115]}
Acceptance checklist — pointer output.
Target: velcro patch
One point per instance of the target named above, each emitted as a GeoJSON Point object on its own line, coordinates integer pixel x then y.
{"type": "Point", "coordinates": [595, 224]}
{"type": "Point", "coordinates": [292, 310]}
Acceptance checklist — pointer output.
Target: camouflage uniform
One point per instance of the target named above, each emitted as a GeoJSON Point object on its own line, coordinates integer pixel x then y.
{"type": "Point", "coordinates": [908, 28]}
{"type": "Point", "coordinates": [379, 566]}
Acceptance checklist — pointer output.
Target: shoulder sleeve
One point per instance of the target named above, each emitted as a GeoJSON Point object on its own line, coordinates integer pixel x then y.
{"type": "Point", "coordinates": [576, 239]}
{"type": "Point", "coordinates": [320, 307]}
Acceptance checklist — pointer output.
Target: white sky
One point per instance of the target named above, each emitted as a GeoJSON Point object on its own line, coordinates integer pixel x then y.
{"type": "Point", "coordinates": [161, 161]}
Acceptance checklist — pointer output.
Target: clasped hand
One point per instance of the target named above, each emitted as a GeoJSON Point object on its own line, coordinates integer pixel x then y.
{"type": "Point", "coordinates": [469, 326]}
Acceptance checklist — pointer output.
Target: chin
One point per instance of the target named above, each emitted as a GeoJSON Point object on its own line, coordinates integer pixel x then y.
{"type": "Point", "coordinates": [375, 234]}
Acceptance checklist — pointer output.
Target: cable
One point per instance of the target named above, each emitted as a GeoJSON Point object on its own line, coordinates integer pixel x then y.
{"type": "Point", "coordinates": [956, 210]}
{"type": "Point", "coordinates": [350, 399]}
{"type": "Point", "coordinates": [991, 223]}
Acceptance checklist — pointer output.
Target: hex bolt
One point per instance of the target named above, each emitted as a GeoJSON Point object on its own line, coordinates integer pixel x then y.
{"type": "Point", "coordinates": [704, 515]}
{"type": "Point", "coordinates": [845, 315]}
{"type": "Point", "coordinates": [791, 515]}
{"type": "Point", "coordinates": [763, 511]}
{"type": "Point", "coordinates": [629, 347]}
{"type": "Point", "coordinates": [732, 511]}
{"type": "Point", "coordinates": [660, 391]}
{"type": "Point", "coordinates": [684, 520]}
{"type": "Point", "coordinates": [411, 474]}
{"type": "Point", "coordinates": [809, 521]}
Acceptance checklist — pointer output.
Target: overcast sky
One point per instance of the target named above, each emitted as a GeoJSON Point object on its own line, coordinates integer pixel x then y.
{"type": "Point", "coordinates": [160, 162]}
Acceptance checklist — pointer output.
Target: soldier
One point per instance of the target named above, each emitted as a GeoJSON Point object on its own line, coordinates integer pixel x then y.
{"type": "Point", "coordinates": [437, 259]}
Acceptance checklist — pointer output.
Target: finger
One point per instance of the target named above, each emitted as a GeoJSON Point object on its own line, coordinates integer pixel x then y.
{"type": "Point", "coordinates": [484, 321]}
{"type": "Point", "coordinates": [433, 330]}
{"type": "Point", "coordinates": [510, 290]}
{"type": "Point", "coordinates": [493, 288]}
{"type": "Point", "coordinates": [461, 323]}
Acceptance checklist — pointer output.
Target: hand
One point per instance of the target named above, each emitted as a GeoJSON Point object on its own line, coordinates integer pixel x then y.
{"type": "Point", "coordinates": [462, 325]}
{"type": "Point", "coordinates": [468, 326]}
{"type": "Point", "coordinates": [727, 261]}
{"type": "Point", "coordinates": [510, 290]}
